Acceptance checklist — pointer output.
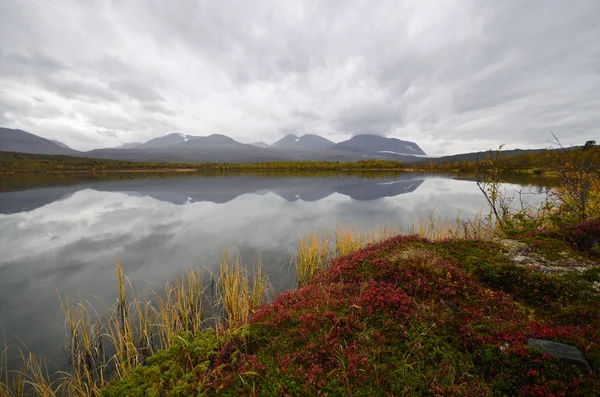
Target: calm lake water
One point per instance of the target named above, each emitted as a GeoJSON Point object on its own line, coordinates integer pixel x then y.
{"type": "Point", "coordinates": [66, 238]}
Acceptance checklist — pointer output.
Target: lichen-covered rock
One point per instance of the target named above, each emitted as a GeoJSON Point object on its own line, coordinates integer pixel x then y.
{"type": "Point", "coordinates": [566, 353]}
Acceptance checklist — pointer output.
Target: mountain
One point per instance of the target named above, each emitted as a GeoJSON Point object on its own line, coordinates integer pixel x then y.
{"type": "Point", "coordinates": [308, 141]}
{"type": "Point", "coordinates": [129, 145]}
{"type": "Point", "coordinates": [211, 141]}
{"type": "Point", "coordinates": [12, 140]}
{"type": "Point", "coordinates": [190, 148]}
{"type": "Point", "coordinates": [260, 144]}
{"type": "Point", "coordinates": [59, 143]}
{"type": "Point", "coordinates": [371, 144]}
{"type": "Point", "coordinates": [165, 141]}
{"type": "Point", "coordinates": [183, 140]}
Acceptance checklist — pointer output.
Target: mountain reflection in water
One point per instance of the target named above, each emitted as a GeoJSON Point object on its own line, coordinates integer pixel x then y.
{"type": "Point", "coordinates": [222, 189]}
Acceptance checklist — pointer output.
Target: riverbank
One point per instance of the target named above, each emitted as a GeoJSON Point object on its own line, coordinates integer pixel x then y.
{"type": "Point", "coordinates": [407, 316]}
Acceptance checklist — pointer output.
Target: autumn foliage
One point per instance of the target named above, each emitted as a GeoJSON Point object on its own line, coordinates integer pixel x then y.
{"type": "Point", "coordinates": [403, 317]}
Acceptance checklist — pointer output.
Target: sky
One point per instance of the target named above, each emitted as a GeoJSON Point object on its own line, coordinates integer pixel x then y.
{"type": "Point", "coordinates": [451, 75]}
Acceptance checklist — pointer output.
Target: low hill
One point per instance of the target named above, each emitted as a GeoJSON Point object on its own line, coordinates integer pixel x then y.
{"type": "Point", "coordinates": [377, 144]}
{"type": "Point", "coordinates": [129, 145]}
{"type": "Point", "coordinates": [14, 140]}
{"type": "Point", "coordinates": [59, 143]}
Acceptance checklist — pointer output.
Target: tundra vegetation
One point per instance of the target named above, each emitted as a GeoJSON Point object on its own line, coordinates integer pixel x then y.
{"type": "Point", "coordinates": [437, 310]}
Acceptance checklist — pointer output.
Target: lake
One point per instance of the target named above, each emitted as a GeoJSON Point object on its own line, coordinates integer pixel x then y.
{"type": "Point", "coordinates": [66, 236]}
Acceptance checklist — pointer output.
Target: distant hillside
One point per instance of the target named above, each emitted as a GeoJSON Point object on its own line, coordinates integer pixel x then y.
{"type": "Point", "coordinates": [59, 143]}
{"type": "Point", "coordinates": [183, 140]}
{"type": "Point", "coordinates": [129, 145]}
{"type": "Point", "coordinates": [13, 140]}
{"type": "Point", "coordinates": [308, 141]}
{"type": "Point", "coordinates": [164, 141]}
{"type": "Point", "coordinates": [474, 156]}
{"type": "Point", "coordinates": [378, 144]}
{"type": "Point", "coordinates": [260, 144]}
{"type": "Point", "coordinates": [212, 141]}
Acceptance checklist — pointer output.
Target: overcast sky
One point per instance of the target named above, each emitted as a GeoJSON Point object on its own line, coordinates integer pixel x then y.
{"type": "Point", "coordinates": [453, 76]}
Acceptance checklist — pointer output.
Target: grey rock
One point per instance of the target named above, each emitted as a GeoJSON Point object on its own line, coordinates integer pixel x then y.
{"type": "Point", "coordinates": [566, 353]}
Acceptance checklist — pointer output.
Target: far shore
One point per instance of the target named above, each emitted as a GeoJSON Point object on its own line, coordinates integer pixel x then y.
{"type": "Point", "coordinates": [87, 171]}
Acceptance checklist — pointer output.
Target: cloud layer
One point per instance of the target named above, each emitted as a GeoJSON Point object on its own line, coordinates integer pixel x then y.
{"type": "Point", "coordinates": [451, 75]}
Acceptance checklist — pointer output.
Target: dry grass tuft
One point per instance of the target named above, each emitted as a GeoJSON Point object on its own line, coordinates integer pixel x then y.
{"type": "Point", "coordinates": [313, 253]}
{"type": "Point", "coordinates": [241, 293]}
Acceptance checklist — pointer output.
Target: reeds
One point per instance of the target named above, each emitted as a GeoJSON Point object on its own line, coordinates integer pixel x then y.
{"type": "Point", "coordinates": [312, 257]}
{"type": "Point", "coordinates": [179, 312]}
{"type": "Point", "coordinates": [32, 379]}
{"type": "Point", "coordinates": [349, 240]}
{"type": "Point", "coordinates": [315, 250]}
{"type": "Point", "coordinates": [103, 348]}
{"type": "Point", "coordinates": [240, 293]}
{"type": "Point", "coordinates": [434, 227]}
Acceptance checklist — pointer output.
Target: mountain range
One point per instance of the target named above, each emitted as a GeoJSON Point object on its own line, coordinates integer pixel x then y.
{"type": "Point", "coordinates": [221, 148]}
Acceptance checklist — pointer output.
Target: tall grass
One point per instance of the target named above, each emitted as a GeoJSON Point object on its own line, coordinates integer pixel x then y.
{"type": "Point", "coordinates": [102, 348]}
{"type": "Point", "coordinates": [312, 256]}
{"type": "Point", "coordinates": [315, 250]}
{"type": "Point", "coordinates": [434, 227]}
{"type": "Point", "coordinates": [240, 292]}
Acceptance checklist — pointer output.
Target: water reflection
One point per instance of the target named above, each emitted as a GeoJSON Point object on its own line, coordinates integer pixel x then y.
{"type": "Point", "coordinates": [222, 189]}
{"type": "Point", "coordinates": [69, 237]}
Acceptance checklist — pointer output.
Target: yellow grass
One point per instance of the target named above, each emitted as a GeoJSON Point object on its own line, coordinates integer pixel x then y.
{"type": "Point", "coordinates": [312, 256]}
{"type": "Point", "coordinates": [315, 251]}
{"type": "Point", "coordinates": [240, 293]}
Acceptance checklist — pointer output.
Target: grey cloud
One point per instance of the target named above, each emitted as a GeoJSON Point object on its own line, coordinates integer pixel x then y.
{"type": "Point", "coordinates": [111, 81]}
{"type": "Point", "coordinates": [108, 133]}
{"type": "Point", "coordinates": [31, 108]}
{"type": "Point", "coordinates": [304, 115]}
{"type": "Point", "coordinates": [471, 73]}
{"type": "Point", "coordinates": [32, 62]}
{"type": "Point", "coordinates": [369, 118]}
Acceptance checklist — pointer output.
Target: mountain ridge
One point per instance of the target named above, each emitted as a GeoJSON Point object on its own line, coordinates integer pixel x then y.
{"type": "Point", "coordinates": [181, 147]}
{"type": "Point", "coordinates": [376, 143]}
{"type": "Point", "coordinates": [306, 141]}
{"type": "Point", "coordinates": [16, 140]}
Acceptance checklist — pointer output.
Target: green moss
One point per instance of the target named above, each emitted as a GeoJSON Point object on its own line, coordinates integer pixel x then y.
{"type": "Point", "coordinates": [173, 372]}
